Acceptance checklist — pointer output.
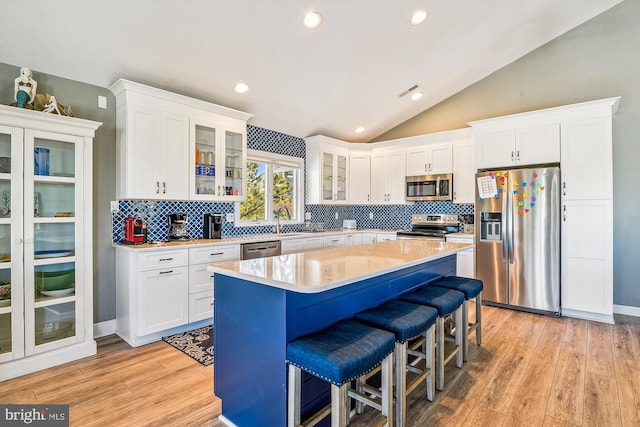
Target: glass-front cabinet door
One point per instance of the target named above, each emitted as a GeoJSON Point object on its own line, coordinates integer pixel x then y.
{"type": "Point", "coordinates": [11, 283]}
{"type": "Point", "coordinates": [204, 160]}
{"type": "Point", "coordinates": [52, 224]}
{"type": "Point", "coordinates": [341, 178]}
{"type": "Point", "coordinates": [218, 161]}
{"type": "Point", "coordinates": [334, 177]}
{"type": "Point", "coordinates": [327, 177]}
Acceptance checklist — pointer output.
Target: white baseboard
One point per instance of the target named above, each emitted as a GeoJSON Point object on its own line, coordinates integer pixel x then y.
{"type": "Point", "coordinates": [225, 421]}
{"type": "Point", "coordinates": [627, 310]}
{"type": "Point", "coordinates": [596, 317]}
{"type": "Point", "coordinates": [103, 329]}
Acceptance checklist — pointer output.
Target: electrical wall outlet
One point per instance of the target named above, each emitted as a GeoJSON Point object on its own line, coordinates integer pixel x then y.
{"type": "Point", "coordinates": [230, 217]}
{"type": "Point", "coordinates": [114, 206]}
{"type": "Point", "coordinates": [336, 215]}
{"type": "Point", "coordinates": [370, 215]}
{"type": "Point", "coordinates": [307, 216]}
{"type": "Point", "coordinates": [102, 102]}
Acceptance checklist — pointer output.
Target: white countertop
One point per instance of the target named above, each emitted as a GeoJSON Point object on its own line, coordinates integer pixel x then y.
{"type": "Point", "coordinates": [321, 270]}
{"type": "Point", "coordinates": [244, 239]}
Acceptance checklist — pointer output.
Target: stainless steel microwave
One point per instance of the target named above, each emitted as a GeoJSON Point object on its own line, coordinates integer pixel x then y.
{"type": "Point", "coordinates": [429, 187]}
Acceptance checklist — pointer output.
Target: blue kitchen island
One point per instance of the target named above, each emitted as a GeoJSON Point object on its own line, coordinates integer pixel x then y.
{"type": "Point", "coordinates": [262, 304]}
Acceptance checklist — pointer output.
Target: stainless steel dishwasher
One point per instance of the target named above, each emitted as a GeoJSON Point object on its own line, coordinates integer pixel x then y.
{"type": "Point", "coordinates": [260, 249]}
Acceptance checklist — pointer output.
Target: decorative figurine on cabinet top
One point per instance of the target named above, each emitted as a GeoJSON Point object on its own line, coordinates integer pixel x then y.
{"type": "Point", "coordinates": [25, 89]}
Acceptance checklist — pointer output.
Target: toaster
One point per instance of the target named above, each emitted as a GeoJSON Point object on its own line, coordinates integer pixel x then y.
{"type": "Point", "coordinates": [348, 224]}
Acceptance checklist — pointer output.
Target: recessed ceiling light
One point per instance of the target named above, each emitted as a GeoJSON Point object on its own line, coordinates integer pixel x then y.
{"type": "Point", "coordinates": [312, 20]}
{"type": "Point", "coordinates": [418, 17]}
{"type": "Point", "coordinates": [359, 129]}
{"type": "Point", "coordinates": [416, 95]}
{"type": "Point", "coordinates": [241, 88]}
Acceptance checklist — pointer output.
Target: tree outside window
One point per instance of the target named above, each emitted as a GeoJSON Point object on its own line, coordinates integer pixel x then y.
{"type": "Point", "coordinates": [272, 185]}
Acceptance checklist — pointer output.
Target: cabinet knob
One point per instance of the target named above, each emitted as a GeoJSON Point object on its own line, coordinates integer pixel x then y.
{"type": "Point", "coordinates": [518, 155]}
{"type": "Point", "coordinates": [564, 188]}
{"type": "Point", "coordinates": [18, 241]}
{"type": "Point", "coordinates": [164, 187]}
{"type": "Point", "coordinates": [157, 187]}
{"type": "Point", "coordinates": [512, 156]}
{"type": "Point", "coordinates": [564, 213]}
{"type": "Point", "coordinates": [30, 240]}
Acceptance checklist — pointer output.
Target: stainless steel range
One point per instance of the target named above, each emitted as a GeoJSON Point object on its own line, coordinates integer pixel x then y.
{"type": "Point", "coordinates": [430, 227]}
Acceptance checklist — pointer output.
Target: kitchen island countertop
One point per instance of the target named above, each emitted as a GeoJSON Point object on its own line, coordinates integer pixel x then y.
{"type": "Point", "coordinates": [321, 270]}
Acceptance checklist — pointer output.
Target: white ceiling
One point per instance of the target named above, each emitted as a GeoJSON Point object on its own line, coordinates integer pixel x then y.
{"type": "Point", "coordinates": [349, 72]}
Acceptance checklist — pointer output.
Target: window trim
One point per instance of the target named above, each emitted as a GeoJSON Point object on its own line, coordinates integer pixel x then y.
{"type": "Point", "coordinates": [281, 159]}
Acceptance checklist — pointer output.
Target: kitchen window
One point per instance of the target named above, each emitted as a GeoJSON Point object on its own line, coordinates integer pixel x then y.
{"type": "Point", "coordinates": [274, 186]}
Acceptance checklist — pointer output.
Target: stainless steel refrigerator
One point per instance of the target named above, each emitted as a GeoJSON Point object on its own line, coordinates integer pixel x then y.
{"type": "Point", "coordinates": [517, 217]}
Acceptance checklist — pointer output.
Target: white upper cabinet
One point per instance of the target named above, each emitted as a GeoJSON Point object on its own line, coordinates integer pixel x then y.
{"type": "Point", "coordinates": [387, 180]}
{"type": "Point", "coordinates": [327, 170]}
{"type": "Point", "coordinates": [516, 146]}
{"type": "Point", "coordinates": [464, 171]}
{"type": "Point", "coordinates": [156, 144]}
{"type": "Point", "coordinates": [587, 159]}
{"type": "Point", "coordinates": [218, 159]}
{"type": "Point", "coordinates": [359, 178]}
{"type": "Point", "coordinates": [429, 159]}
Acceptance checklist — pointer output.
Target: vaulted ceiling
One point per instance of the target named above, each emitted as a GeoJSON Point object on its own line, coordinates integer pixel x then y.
{"type": "Point", "coordinates": [349, 72]}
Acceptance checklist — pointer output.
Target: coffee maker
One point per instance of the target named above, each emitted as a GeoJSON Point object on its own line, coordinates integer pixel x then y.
{"type": "Point", "coordinates": [134, 231]}
{"type": "Point", "coordinates": [178, 226]}
{"type": "Point", "coordinates": [212, 226]}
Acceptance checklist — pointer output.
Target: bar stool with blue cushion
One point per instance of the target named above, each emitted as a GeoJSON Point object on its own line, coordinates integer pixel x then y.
{"type": "Point", "coordinates": [407, 321]}
{"type": "Point", "coordinates": [447, 302]}
{"type": "Point", "coordinates": [472, 289]}
{"type": "Point", "coordinates": [339, 354]}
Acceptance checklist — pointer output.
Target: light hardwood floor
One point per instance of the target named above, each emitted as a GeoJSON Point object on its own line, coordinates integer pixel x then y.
{"type": "Point", "coordinates": [531, 370]}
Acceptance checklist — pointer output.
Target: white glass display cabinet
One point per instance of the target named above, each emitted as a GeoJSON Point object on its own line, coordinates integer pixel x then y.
{"type": "Point", "coordinates": [218, 159]}
{"type": "Point", "coordinates": [46, 266]}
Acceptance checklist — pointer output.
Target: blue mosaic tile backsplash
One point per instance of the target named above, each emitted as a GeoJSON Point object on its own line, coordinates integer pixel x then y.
{"type": "Point", "coordinates": [388, 217]}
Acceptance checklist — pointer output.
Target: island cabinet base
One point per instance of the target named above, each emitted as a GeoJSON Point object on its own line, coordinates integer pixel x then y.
{"type": "Point", "coordinates": [254, 322]}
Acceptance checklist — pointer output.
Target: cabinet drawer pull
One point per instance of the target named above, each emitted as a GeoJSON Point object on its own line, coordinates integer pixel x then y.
{"type": "Point", "coordinates": [166, 259]}
{"type": "Point", "coordinates": [166, 272]}
{"type": "Point", "coordinates": [217, 253]}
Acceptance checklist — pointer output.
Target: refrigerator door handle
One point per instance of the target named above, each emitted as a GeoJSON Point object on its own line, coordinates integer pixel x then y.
{"type": "Point", "coordinates": [504, 226]}
{"type": "Point", "coordinates": [510, 233]}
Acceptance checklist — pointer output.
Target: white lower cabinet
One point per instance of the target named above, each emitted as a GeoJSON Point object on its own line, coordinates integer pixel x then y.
{"type": "Point", "coordinates": [164, 291]}
{"type": "Point", "coordinates": [201, 281]}
{"type": "Point", "coordinates": [162, 299]}
{"type": "Point", "coordinates": [353, 239]}
{"type": "Point", "coordinates": [333, 241]}
{"type": "Point", "coordinates": [312, 243]}
{"type": "Point", "coordinates": [290, 246]}
{"type": "Point", "coordinates": [368, 238]}
{"type": "Point", "coordinates": [383, 237]}
{"type": "Point", "coordinates": [465, 260]}
{"type": "Point", "coordinates": [587, 259]}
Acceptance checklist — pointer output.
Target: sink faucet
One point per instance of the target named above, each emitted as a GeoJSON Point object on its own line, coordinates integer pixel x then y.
{"type": "Point", "coordinates": [278, 217]}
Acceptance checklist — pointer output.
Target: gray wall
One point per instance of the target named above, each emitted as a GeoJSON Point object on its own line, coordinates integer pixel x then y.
{"type": "Point", "coordinates": [83, 99]}
{"type": "Point", "coordinates": [599, 59]}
